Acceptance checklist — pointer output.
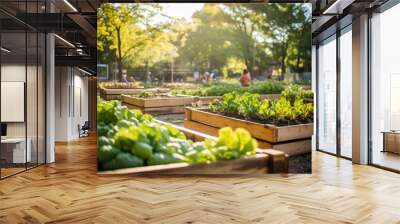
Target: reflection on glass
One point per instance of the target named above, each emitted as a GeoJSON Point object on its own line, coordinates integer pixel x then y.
{"type": "Point", "coordinates": [385, 87]}
{"type": "Point", "coordinates": [41, 99]}
{"type": "Point", "coordinates": [14, 151]}
{"type": "Point", "coordinates": [31, 97]}
{"type": "Point", "coordinates": [327, 96]}
{"type": "Point", "coordinates": [346, 94]}
{"type": "Point", "coordinates": [22, 90]}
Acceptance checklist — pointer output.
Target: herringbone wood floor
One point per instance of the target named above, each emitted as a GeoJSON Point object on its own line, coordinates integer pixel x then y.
{"type": "Point", "coordinates": [69, 191]}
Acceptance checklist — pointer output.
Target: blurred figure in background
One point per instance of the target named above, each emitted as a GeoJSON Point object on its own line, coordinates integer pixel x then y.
{"type": "Point", "coordinates": [205, 77]}
{"type": "Point", "coordinates": [196, 76]}
{"type": "Point", "coordinates": [211, 77]}
{"type": "Point", "coordinates": [124, 78]}
{"type": "Point", "coordinates": [245, 79]}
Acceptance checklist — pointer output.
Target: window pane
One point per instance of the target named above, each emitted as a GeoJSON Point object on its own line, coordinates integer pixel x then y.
{"type": "Point", "coordinates": [14, 153]}
{"type": "Point", "coordinates": [346, 94]}
{"type": "Point", "coordinates": [386, 88]}
{"type": "Point", "coordinates": [327, 96]}
{"type": "Point", "coordinates": [41, 99]}
{"type": "Point", "coordinates": [31, 100]}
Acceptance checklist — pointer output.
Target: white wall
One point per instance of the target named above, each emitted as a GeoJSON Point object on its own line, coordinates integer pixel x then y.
{"type": "Point", "coordinates": [62, 81]}
{"type": "Point", "coordinates": [71, 102]}
{"type": "Point", "coordinates": [33, 126]}
{"type": "Point", "coordinates": [14, 73]}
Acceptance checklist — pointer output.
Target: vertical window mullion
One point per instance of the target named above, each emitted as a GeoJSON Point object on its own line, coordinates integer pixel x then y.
{"type": "Point", "coordinates": [317, 97]}
{"type": "Point", "coordinates": [26, 86]}
{"type": "Point", "coordinates": [338, 98]}
{"type": "Point", "coordinates": [37, 90]}
{"type": "Point", "coordinates": [369, 78]}
{"type": "Point", "coordinates": [0, 95]}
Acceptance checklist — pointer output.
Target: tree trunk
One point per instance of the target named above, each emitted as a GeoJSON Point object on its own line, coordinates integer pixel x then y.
{"type": "Point", "coordinates": [283, 67]}
{"type": "Point", "coordinates": [248, 65]}
{"type": "Point", "coordinates": [147, 72]}
{"type": "Point", "coordinates": [298, 61]}
{"type": "Point", "coordinates": [283, 64]}
{"type": "Point", "coordinates": [172, 71]}
{"type": "Point", "coordinates": [119, 55]}
{"type": "Point", "coordinates": [248, 57]}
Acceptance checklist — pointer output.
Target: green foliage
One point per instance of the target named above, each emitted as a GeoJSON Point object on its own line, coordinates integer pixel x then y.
{"type": "Point", "coordinates": [278, 112]}
{"type": "Point", "coordinates": [295, 92]}
{"type": "Point", "coordinates": [229, 105]}
{"type": "Point", "coordinates": [131, 139]}
{"type": "Point", "coordinates": [219, 89]}
{"type": "Point", "coordinates": [283, 110]}
{"type": "Point", "coordinates": [235, 104]}
{"type": "Point", "coordinates": [233, 65]}
{"type": "Point", "coordinates": [289, 28]}
{"type": "Point", "coordinates": [146, 94]}
{"type": "Point", "coordinates": [248, 105]}
{"type": "Point", "coordinates": [267, 87]}
{"type": "Point", "coordinates": [225, 37]}
{"type": "Point", "coordinates": [231, 144]}
{"type": "Point", "coordinates": [127, 35]}
{"type": "Point", "coordinates": [119, 85]}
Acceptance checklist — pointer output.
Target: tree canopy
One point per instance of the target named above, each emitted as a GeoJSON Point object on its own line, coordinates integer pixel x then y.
{"type": "Point", "coordinates": [221, 37]}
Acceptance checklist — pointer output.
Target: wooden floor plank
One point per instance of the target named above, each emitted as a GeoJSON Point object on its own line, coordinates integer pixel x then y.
{"type": "Point", "coordinates": [70, 191]}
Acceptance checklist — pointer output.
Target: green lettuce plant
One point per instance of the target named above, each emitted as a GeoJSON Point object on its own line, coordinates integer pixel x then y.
{"type": "Point", "coordinates": [128, 138]}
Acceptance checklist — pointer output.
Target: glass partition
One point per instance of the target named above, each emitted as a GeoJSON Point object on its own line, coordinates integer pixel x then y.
{"type": "Point", "coordinates": [326, 99]}
{"type": "Point", "coordinates": [346, 93]}
{"type": "Point", "coordinates": [22, 92]}
{"type": "Point", "coordinates": [385, 89]}
{"type": "Point", "coordinates": [32, 98]}
{"type": "Point", "coordinates": [41, 97]}
{"type": "Point", "coordinates": [13, 92]}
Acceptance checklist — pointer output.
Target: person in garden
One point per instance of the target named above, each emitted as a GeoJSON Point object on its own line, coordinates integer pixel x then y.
{"type": "Point", "coordinates": [196, 76]}
{"type": "Point", "coordinates": [245, 78]}
{"type": "Point", "coordinates": [124, 78]}
{"type": "Point", "coordinates": [205, 77]}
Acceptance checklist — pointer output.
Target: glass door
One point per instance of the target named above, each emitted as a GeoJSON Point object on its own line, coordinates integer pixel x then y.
{"type": "Point", "coordinates": [385, 89]}
{"type": "Point", "coordinates": [326, 99]}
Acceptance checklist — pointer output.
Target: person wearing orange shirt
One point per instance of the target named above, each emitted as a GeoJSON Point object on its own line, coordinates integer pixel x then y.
{"type": "Point", "coordinates": [245, 78]}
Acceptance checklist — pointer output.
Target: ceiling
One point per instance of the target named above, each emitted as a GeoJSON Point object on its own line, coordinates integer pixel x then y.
{"type": "Point", "coordinates": [74, 22]}
{"type": "Point", "coordinates": [330, 15]}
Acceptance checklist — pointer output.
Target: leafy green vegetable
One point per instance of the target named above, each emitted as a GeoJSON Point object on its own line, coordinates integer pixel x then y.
{"type": "Point", "coordinates": [123, 160]}
{"type": "Point", "coordinates": [250, 107]}
{"type": "Point", "coordinates": [146, 95]}
{"type": "Point", "coordinates": [295, 92]}
{"type": "Point", "coordinates": [107, 152]}
{"type": "Point", "coordinates": [165, 158]}
{"type": "Point", "coordinates": [143, 150]}
{"type": "Point", "coordinates": [130, 139]}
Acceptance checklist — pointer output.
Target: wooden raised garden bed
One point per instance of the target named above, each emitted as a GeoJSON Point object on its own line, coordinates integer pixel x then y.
{"type": "Point", "coordinates": [265, 161]}
{"type": "Point", "coordinates": [169, 104]}
{"type": "Point", "coordinates": [115, 94]}
{"type": "Point", "coordinates": [163, 104]}
{"type": "Point", "coordinates": [205, 100]}
{"type": "Point", "coordinates": [293, 139]}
